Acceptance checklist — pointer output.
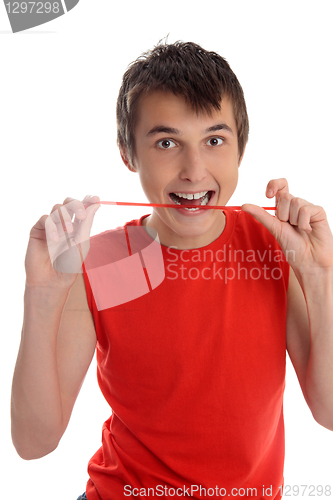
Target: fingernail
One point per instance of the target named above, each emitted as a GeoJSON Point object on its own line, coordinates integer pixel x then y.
{"type": "Point", "coordinates": [270, 192]}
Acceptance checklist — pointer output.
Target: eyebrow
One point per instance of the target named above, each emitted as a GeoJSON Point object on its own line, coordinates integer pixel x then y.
{"type": "Point", "coordinates": [220, 126]}
{"type": "Point", "coordinates": [174, 131]}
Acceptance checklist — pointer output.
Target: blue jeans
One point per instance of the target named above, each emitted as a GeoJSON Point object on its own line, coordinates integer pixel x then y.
{"type": "Point", "coordinates": [82, 497]}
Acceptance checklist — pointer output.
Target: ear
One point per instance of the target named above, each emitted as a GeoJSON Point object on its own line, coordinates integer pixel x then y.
{"type": "Point", "coordinates": [125, 158]}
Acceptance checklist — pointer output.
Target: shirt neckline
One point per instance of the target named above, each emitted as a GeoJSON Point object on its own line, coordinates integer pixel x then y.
{"type": "Point", "coordinates": [230, 220]}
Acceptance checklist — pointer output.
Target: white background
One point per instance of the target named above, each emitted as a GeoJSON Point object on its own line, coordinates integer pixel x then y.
{"type": "Point", "coordinates": [59, 84]}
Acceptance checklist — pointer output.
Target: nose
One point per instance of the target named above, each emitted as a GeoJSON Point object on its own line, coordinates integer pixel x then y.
{"type": "Point", "coordinates": [192, 166]}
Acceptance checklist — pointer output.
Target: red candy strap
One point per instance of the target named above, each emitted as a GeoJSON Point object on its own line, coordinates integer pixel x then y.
{"type": "Point", "coordinates": [169, 205]}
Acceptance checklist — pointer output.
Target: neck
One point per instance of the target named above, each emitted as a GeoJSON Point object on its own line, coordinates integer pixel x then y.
{"type": "Point", "coordinates": [170, 238]}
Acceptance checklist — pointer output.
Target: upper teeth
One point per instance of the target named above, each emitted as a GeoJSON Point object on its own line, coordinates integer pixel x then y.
{"type": "Point", "coordinates": [194, 196]}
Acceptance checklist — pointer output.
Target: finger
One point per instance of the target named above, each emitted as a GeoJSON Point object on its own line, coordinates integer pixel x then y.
{"type": "Point", "coordinates": [309, 216]}
{"type": "Point", "coordinates": [269, 221]}
{"type": "Point", "coordinates": [56, 207]}
{"type": "Point", "coordinates": [75, 208]}
{"type": "Point", "coordinates": [59, 223]}
{"type": "Point", "coordinates": [90, 199]}
{"type": "Point", "coordinates": [51, 229]}
{"type": "Point", "coordinates": [68, 200]}
{"type": "Point", "coordinates": [86, 199]}
{"type": "Point", "coordinates": [68, 254]}
{"type": "Point", "coordinates": [38, 230]}
{"type": "Point", "coordinates": [78, 208]}
{"type": "Point", "coordinates": [87, 202]}
{"type": "Point", "coordinates": [294, 211]}
{"type": "Point", "coordinates": [84, 227]}
{"type": "Point", "coordinates": [304, 217]}
{"type": "Point", "coordinates": [55, 215]}
{"type": "Point", "coordinates": [276, 187]}
{"type": "Point", "coordinates": [62, 218]}
{"type": "Point", "coordinates": [283, 206]}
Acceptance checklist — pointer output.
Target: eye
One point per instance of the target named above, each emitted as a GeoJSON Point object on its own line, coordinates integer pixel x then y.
{"type": "Point", "coordinates": [166, 144]}
{"type": "Point", "coordinates": [215, 141]}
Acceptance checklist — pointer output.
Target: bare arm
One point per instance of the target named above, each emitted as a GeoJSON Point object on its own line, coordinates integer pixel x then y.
{"type": "Point", "coordinates": [310, 341]}
{"type": "Point", "coordinates": [57, 346]}
{"type": "Point", "coordinates": [302, 230]}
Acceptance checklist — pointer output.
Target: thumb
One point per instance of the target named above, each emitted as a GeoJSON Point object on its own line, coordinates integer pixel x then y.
{"type": "Point", "coordinates": [269, 221]}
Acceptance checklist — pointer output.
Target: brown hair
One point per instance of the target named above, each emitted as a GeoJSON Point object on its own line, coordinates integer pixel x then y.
{"type": "Point", "coordinates": [187, 70]}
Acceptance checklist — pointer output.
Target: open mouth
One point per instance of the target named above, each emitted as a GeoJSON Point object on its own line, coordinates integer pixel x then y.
{"type": "Point", "coordinates": [198, 199]}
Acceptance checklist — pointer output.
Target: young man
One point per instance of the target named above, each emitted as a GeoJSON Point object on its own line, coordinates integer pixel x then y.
{"type": "Point", "coordinates": [194, 370]}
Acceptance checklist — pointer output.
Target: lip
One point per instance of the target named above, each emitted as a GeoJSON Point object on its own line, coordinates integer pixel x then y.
{"type": "Point", "coordinates": [194, 213]}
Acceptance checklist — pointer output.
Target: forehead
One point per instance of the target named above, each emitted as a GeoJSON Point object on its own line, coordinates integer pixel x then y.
{"type": "Point", "coordinates": [165, 108]}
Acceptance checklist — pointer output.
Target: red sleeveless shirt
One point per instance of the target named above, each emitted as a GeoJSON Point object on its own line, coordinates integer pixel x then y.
{"type": "Point", "coordinates": [193, 369]}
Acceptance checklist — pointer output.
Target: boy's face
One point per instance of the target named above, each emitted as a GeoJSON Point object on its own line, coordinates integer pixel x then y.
{"type": "Point", "coordinates": [177, 153]}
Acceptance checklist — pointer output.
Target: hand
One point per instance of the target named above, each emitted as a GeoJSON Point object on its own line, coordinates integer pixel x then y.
{"type": "Point", "coordinates": [58, 246]}
{"type": "Point", "coordinates": [300, 228]}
